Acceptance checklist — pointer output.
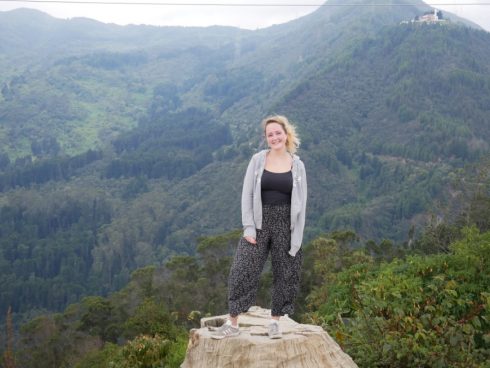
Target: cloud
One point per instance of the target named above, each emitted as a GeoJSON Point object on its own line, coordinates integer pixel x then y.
{"type": "Point", "coordinates": [244, 17]}
{"type": "Point", "coordinates": [480, 14]}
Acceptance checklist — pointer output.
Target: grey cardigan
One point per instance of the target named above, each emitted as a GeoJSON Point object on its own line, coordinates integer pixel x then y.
{"type": "Point", "coordinates": [252, 199]}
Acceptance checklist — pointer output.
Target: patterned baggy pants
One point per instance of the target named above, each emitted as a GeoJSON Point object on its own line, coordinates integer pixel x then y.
{"type": "Point", "coordinates": [274, 237]}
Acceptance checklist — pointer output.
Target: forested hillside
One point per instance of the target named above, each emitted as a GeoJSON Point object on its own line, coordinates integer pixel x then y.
{"type": "Point", "coordinates": [121, 146]}
{"type": "Point", "coordinates": [390, 120]}
{"type": "Point", "coordinates": [419, 303]}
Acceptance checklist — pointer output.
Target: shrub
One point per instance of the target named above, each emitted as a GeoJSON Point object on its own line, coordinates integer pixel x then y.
{"type": "Point", "coordinates": [426, 311]}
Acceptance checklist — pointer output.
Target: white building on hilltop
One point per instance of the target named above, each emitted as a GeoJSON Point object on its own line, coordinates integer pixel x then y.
{"type": "Point", "coordinates": [434, 16]}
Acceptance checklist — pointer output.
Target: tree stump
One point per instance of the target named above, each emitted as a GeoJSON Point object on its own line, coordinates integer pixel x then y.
{"type": "Point", "coordinates": [302, 346]}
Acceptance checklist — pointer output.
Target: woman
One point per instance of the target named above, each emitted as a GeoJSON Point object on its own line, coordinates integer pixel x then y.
{"type": "Point", "coordinates": [273, 216]}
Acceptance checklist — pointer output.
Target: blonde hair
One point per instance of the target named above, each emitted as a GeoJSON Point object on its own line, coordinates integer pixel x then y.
{"type": "Point", "coordinates": [292, 141]}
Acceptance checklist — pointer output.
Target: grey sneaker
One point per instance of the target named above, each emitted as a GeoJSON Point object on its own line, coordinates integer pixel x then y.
{"type": "Point", "coordinates": [226, 330]}
{"type": "Point", "coordinates": [274, 331]}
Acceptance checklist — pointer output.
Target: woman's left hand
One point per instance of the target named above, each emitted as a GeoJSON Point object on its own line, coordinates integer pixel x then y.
{"type": "Point", "coordinates": [250, 239]}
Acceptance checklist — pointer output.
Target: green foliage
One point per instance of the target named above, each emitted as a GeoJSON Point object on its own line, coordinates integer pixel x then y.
{"type": "Point", "coordinates": [145, 352]}
{"type": "Point", "coordinates": [48, 341]}
{"type": "Point", "coordinates": [98, 318]}
{"type": "Point", "coordinates": [120, 146]}
{"type": "Point", "coordinates": [26, 173]}
{"type": "Point", "coordinates": [111, 60]}
{"type": "Point", "coordinates": [425, 311]}
{"type": "Point", "coordinates": [46, 245]}
{"type": "Point", "coordinates": [382, 309]}
{"type": "Point", "coordinates": [150, 352]}
{"type": "Point", "coordinates": [437, 237]}
{"type": "Point", "coordinates": [85, 335]}
{"type": "Point", "coordinates": [151, 318]}
{"type": "Point", "coordinates": [478, 212]}
{"type": "Point", "coordinates": [100, 358]}
{"type": "Point", "coordinates": [393, 114]}
{"type": "Point", "coordinates": [199, 283]}
{"type": "Point", "coordinates": [231, 86]}
{"type": "Point", "coordinates": [152, 312]}
{"type": "Point", "coordinates": [170, 146]}
{"type": "Point", "coordinates": [325, 257]}
{"type": "Point", "coordinates": [135, 187]}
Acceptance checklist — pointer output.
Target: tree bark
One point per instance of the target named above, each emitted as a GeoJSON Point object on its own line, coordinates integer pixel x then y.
{"type": "Point", "coordinates": [302, 346]}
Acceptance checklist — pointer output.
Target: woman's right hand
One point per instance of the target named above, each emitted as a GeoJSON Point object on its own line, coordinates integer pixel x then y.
{"type": "Point", "coordinates": [250, 239]}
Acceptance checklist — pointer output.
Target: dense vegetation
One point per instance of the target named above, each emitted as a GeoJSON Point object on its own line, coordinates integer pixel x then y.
{"type": "Point", "coordinates": [421, 303]}
{"type": "Point", "coordinates": [169, 145]}
{"type": "Point", "coordinates": [120, 146]}
{"type": "Point", "coordinates": [392, 119]}
{"type": "Point", "coordinates": [420, 311]}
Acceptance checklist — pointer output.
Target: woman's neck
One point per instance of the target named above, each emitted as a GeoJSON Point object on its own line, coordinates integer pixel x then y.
{"type": "Point", "coordinates": [278, 161]}
{"type": "Point", "coordinates": [278, 153]}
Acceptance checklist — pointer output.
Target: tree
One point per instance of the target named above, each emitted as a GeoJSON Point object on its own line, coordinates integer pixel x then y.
{"type": "Point", "coordinates": [8, 355]}
{"type": "Point", "coordinates": [423, 311]}
{"type": "Point", "coordinates": [98, 318]}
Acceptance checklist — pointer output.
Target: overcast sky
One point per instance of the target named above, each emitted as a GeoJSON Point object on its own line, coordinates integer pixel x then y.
{"type": "Point", "coordinates": [250, 17]}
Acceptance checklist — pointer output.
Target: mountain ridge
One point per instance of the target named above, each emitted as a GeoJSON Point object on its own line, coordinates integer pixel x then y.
{"type": "Point", "coordinates": [107, 163]}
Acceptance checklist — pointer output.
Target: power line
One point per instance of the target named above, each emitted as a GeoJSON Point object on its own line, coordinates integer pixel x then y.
{"type": "Point", "coordinates": [97, 2]}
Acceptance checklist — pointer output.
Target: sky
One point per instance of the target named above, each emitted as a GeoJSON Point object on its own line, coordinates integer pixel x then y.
{"type": "Point", "coordinates": [198, 14]}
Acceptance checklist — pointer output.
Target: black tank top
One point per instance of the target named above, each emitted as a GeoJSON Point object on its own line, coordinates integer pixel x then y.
{"type": "Point", "coordinates": [276, 187]}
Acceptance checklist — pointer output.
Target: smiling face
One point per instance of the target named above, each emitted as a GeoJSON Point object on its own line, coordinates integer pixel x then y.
{"type": "Point", "coordinates": [276, 136]}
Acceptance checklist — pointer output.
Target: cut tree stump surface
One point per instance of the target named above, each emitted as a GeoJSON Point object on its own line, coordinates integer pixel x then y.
{"type": "Point", "coordinates": [302, 346]}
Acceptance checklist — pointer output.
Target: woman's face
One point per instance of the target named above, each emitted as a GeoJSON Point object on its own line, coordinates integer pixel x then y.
{"type": "Point", "coordinates": [276, 136]}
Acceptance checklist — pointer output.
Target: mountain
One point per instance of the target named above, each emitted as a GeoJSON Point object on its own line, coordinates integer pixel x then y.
{"type": "Point", "coordinates": [82, 82]}
{"type": "Point", "coordinates": [120, 146]}
{"type": "Point", "coordinates": [401, 110]}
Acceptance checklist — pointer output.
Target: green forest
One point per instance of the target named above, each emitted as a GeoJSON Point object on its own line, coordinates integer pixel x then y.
{"type": "Point", "coordinates": [420, 303]}
{"type": "Point", "coordinates": [122, 155]}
